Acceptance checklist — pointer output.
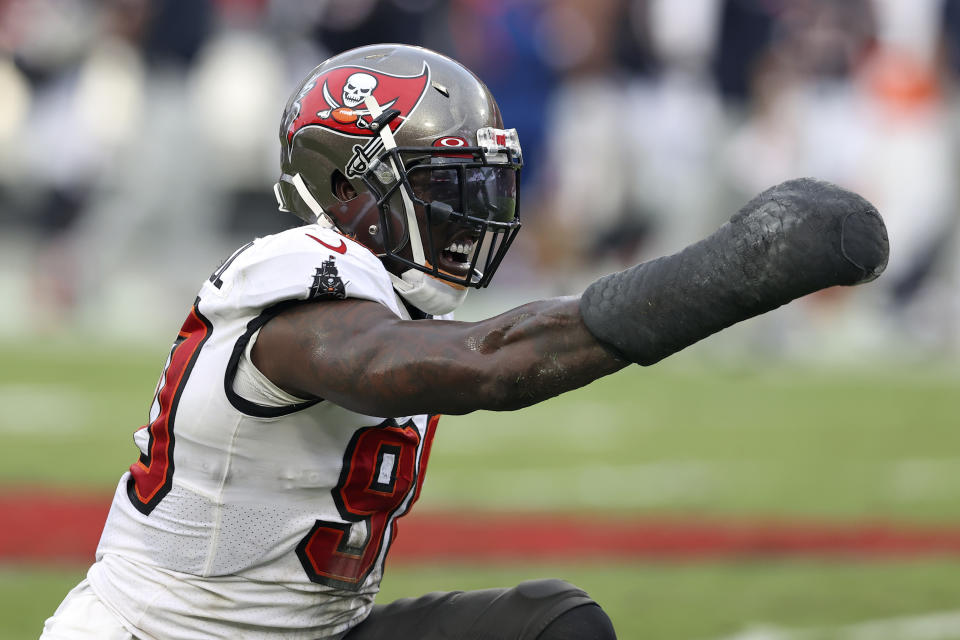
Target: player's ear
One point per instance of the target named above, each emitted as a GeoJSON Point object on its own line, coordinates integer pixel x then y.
{"type": "Point", "coordinates": [341, 187]}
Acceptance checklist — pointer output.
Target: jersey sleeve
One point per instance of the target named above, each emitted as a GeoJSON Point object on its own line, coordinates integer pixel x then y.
{"type": "Point", "coordinates": [307, 263]}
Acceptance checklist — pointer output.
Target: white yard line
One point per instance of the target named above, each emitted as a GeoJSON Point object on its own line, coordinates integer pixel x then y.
{"type": "Point", "coordinates": [943, 625]}
{"type": "Point", "coordinates": [925, 479]}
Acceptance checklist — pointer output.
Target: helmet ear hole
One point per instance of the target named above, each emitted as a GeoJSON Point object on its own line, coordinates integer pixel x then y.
{"type": "Point", "coordinates": [341, 187]}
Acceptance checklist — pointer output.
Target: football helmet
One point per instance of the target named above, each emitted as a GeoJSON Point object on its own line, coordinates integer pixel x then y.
{"type": "Point", "coordinates": [403, 149]}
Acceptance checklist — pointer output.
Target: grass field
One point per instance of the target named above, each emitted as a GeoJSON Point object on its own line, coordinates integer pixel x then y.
{"type": "Point", "coordinates": [677, 440]}
{"type": "Point", "coordinates": [702, 601]}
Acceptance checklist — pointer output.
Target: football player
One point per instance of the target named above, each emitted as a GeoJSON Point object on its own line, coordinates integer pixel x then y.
{"type": "Point", "coordinates": [292, 422]}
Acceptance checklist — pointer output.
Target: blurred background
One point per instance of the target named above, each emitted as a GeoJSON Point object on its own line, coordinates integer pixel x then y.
{"type": "Point", "coordinates": [138, 141]}
{"type": "Point", "coordinates": [138, 148]}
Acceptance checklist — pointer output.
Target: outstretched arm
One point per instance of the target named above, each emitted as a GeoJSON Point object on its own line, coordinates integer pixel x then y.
{"type": "Point", "coordinates": [359, 355]}
{"type": "Point", "coordinates": [791, 240]}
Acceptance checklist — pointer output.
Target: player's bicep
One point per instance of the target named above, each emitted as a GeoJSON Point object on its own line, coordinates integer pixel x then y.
{"type": "Point", "coordinates": [309, 350]}
{"type": "Point", "coordinates": [359, 355]}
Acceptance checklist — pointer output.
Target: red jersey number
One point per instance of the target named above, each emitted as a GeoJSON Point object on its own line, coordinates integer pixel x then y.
{"type": "Point", "coordinates": [379, 472]}
{"type": "Point", "coordinates": [152, 475]}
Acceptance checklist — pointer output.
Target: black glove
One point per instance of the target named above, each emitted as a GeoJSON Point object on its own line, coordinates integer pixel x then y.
{"type": "Point", "coordinates": [793, 239]}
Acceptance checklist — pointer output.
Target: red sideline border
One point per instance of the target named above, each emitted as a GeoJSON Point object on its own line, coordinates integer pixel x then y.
{"type": "Point", "coordinates": [44, 526]}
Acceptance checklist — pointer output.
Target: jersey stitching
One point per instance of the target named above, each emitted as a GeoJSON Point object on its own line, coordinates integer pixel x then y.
{"type": "Point", "coordinates": [218, 502]}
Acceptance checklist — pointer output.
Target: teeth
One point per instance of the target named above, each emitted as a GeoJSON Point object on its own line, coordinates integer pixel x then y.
{"type": "Point", "coordinates": [460, 247]}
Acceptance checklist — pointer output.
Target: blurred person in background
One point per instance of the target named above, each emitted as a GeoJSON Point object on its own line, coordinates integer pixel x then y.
{"type": "Point", "coordinates": [851, 90]}
{"type": "Point", "coordinates": [101, 192]}
{"type": "Point", "coordinates": [792, 108]}
{"type": "Point", "coordinates": [583, 43]}
{"type": "Point", "coordinates": [141, 86]}
{"type": "Point", "coordinates": [82, 75]}
{"type": "Point", "coordinates": [642, 67]}
{"type": "Point", "coordinates": [724, 94]}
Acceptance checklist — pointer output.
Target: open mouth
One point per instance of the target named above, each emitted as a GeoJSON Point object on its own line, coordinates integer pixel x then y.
{"type": "Point", "coordinates": [456, 256]}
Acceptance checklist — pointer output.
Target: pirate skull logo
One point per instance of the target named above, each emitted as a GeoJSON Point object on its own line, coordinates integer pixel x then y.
{"type": "Point", "coordinates": [337, 99]}
{"type": "Point", "coordinates": [358, 87]}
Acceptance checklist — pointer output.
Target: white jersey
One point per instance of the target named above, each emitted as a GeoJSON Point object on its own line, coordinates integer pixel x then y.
{"type": "Point", "coordinates": [243, 518]}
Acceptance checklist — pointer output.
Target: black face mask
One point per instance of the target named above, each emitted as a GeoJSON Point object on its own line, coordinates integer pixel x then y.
{"type": "Point", "coordinates": [462, 190]}
{"type": "Point", "coordinates": [472, 194]}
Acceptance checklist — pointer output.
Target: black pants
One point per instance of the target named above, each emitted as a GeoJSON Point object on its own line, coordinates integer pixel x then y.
{"type": "Point", "coordinates": [519, 613]}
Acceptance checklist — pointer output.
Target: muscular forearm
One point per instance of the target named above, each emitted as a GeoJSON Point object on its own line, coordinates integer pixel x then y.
{"type": "Point", "coordinates": [513, 360]}
{"type": "Point", "coordinates": [535, 352]}
{"type": "Point", "coordinates": [360, 356]}
{"type": "Point", "coordinates": [793, 239]}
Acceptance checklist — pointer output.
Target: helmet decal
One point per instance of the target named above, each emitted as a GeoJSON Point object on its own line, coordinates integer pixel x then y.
{"type": "Point", "coordinates": [334, 99]}
{"type": "Point", "coordinates": [450, 141]}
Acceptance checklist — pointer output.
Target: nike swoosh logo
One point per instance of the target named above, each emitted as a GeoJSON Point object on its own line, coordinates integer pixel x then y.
{"type": "Point", "coordinates": [341, 249]}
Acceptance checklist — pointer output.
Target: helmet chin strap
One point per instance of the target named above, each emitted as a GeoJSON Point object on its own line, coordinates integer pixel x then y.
{"type": "Point", "coordinates": [321, 218]}
{"type": "Point", "coordinates": [430, 295]}
{"type": "Point", "coordinates": [427, 293]}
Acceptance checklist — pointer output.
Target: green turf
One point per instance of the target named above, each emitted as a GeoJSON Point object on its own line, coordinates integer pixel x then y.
{"type": "Point", "coordinates": [878, 444]}
{"type": "Point", "coordinates": [28, 596]}
{"type": "Point", "coordinates": [674, 601]}
{"type": "Point", "coordinates": [836, 445]}
{"type": "Point", "coordinates": [70, 411]}
{"type": "Point", "coordinates": [678, 439]}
